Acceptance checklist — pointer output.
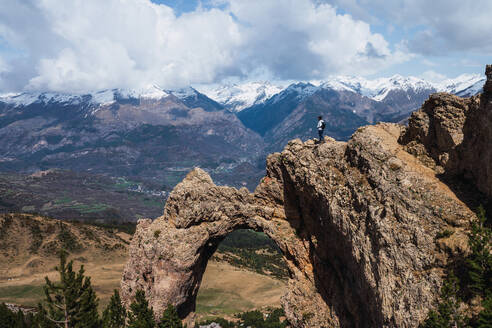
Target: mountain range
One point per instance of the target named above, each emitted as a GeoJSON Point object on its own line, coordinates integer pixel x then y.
{"type": "Point", "coordinates": [156, 135]}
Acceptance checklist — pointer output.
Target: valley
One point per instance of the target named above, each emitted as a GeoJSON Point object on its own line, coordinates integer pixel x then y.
{"type": "Point", "coordinates": [29, 246]}
{"type": "Point", "coordinates": [114, 155]}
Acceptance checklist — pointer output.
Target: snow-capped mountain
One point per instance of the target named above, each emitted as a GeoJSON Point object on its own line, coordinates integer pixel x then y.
{"type": "Point", "coordinates": [465, 85]}
{"type": "Point", "coordinates": [150, 133]}
{"type": "Point", "coordinates": [401, 94]}
{"type": "Point", "coordinates": [103, 97]}
{"type": "Point", "coordinates": [377, 89]}
{"type": "Point", "coordinates": [236, 97]}
{"type": "Point", "coordinates": [193, 99]}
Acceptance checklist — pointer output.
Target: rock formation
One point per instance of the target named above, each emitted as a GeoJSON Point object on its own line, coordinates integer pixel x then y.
{"type": "Point", "coordinates": [453, 135]}
{"type": "Point", "coordinates": [487, 88]}
{"type": "Point", "coordinates": [357, 221]}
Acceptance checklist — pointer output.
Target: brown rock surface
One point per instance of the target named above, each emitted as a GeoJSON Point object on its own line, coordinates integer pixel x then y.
{"type": "Point", "coordinates": [454, 136]}
{"type": "Point", "coordinates": [356, 222]}
{"type": "Point", "coordinates": [487, 88]}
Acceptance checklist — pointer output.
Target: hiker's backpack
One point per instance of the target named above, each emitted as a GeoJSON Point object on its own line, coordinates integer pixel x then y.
{"type": "Point", "coordinates": [323, 125]}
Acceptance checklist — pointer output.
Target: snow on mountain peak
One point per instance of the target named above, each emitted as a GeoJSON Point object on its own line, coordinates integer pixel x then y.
{"type": "Point", "coordinates": [303, 89]}
{"type": "Point", "coordinates": [184, 92]}
{"type": "Point", "coordinates": [103, 97]}
{"type": "Point", "coordinates": [150, 91]}
{"type": "Point", "coordinates": [26, 98]}
{"type": "Point", "coordinates": [464, 85]}
{"type": "Point", "coordinates": [376, 89]}
{"type": "Point", "coordinates": [239, 96]}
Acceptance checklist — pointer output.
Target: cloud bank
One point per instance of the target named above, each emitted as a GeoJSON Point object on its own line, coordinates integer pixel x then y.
{"type": "Point", "coordinates": [83, 45]}
{"type": "Point", "coordinates": [436, 27]}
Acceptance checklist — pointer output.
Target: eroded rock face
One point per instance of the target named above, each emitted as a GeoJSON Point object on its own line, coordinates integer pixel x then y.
{"type": "Point", "coordinates": [453, 136]}
{"type": "Point", "coordinates": [356, 222]}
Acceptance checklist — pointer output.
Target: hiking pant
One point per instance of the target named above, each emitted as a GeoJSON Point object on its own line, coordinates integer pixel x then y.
{"type": "Point", "coordinates": [320, 133]}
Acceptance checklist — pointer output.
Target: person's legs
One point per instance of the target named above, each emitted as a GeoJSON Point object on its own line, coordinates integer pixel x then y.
{"type": "Point", "coordinates": [320, 133]}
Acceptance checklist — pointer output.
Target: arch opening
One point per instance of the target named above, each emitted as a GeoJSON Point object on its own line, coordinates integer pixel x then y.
{"type": "Point", "coordinates": [243, 271]}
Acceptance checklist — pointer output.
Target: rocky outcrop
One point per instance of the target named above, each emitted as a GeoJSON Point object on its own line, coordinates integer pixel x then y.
{"type": "Point", "coordinates": [357, 222]}
{"type": "Point", "coordinates": [453, 136]}
{"type": "Point", "coordinates": [487, 88]}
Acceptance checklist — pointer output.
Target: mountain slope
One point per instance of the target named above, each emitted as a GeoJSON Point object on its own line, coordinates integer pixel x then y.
{"type": "Point", "coordinates": [29, 243]}
{"type": "Point", "coordinates": [237, 97]}
{"type": "Point", "coordinates": [293, 114]}
{"type": "Point", "coordinates": [153, 134]}
{"type": "Point", "coordinates": [336, 109]}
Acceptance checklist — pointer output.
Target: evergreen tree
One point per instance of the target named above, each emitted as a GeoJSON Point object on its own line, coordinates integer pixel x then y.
{"type": "Point", "coordinates": [447, 314]}
{"type": "Point", "coordinates": [479, 262]}
{"type": "Point", "coordinates": [11, 319]}
{"type": "Point", "coordinates": [170, 318]}
{"type": "Point", "coordinates": [20, 320]}
{"type": "Point", "coordinates": [41, 319]}
{"type": "Point", "coordinates": [140, 315]}
{"type": "Point", "coordinates": [115, 314]}
{"type": "Point", "coordinates": [253, 319]}
{"type": "Point", "coordinates": [7, 317]}
{"type": "Point", "coordinates": [485, 316]}
{"type": "Point", "coordinates": [71, 302]}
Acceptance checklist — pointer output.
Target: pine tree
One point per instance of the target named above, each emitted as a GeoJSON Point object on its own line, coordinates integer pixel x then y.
{"type": "Point", "coordinates": [140, 315]}
{"type": "Point", "coordinates": [7, 317]}
{"type": "Point", "coordinates": [20, 320]}
{"type": "Point", "coordinates": [115, 314]}
{"type": "Point", "coordinates": [71, 302]}
{"type": "Point", "coordinates": [479, 262]}
{"type": "Point", "coordinates": [485, 316]}
{"type": "Point", "coordinates": [447, 314]}
{"type": "Point", "coordinates": [41, 319]}
{"type": "Point", "coordinates": [12, 319]}
{"type": "Point", "coordinates": [170, 318]}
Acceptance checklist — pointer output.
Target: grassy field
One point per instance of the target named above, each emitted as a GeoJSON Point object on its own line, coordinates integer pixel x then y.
{"type": "Point", "coordinates": [225, 289]}
{"type": "Point", "coordinates": [27, 289]}
{"type": "Point", "coordinates": [29, 244]}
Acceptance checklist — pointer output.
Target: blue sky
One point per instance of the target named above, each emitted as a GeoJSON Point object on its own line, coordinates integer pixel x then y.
{"type": "Point", "coordinates": [95, 44]}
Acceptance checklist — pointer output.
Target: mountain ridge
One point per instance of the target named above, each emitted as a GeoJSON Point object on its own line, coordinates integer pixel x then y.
{"type": "Point", "coordinates": [239, 96]}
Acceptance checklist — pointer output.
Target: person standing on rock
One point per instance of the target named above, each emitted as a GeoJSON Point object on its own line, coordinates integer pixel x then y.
{"type": "Point", "coordinates": [321, 127]}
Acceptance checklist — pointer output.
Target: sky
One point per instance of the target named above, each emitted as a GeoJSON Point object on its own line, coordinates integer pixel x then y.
{"type": "Point", "coordinates": [77, 46]}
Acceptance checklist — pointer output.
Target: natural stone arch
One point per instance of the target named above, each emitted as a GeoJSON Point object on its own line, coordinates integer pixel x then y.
{"type": "Point", "coordinates": [169, 256]}
{"type": "Point", "coordinates": [355, 221]}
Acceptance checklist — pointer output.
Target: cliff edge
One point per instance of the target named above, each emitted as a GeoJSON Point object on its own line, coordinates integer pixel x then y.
{"type": "Point", "coordinates": [358, 222]}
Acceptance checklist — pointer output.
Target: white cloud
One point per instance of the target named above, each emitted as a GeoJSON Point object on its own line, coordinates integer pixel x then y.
{"type": "Point", "coordinates": [445, 25]}
{"type": "Point", "coordinates": [82, 45]}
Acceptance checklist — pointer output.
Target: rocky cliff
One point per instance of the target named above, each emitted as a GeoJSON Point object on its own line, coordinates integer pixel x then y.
{"type": "Point", "coordinates": [358, 222]}
{"type": "Point", "coordinates": [453, 136]}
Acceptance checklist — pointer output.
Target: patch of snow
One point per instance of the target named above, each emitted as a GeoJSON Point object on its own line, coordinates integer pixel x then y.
{"type": "Point", "coordinates": [150, 91]}
{"type": "Point", "coordinates": [183, 93]}
{"type": "Point", "coordinates": [104, 97]}
{"type": "Point", "coordinates": [18, 99]}
{"type": "Point", "coordinates": [26, 98]}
